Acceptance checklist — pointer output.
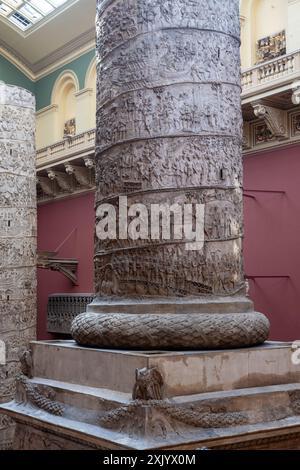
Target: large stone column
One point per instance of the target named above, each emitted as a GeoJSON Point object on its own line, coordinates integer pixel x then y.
{"type": "Point", "coordinates": [17, 238]}
{"type": "Point", "coordinates": [169, 130]}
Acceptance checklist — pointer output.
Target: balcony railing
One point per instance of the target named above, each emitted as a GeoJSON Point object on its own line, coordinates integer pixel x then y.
{"type": "Point", "coordinates": [83, 143]}
{"type": "Point", "coordinates": [263, 76]}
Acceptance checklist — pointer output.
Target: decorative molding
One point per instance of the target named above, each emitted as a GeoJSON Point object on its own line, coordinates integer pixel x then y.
{"type": "Point", "coordinates": [52, 62]}
{"type": "Point", "coordinates": [148, 384]}
{"type": "Point", "coordinates": [296, 93]}
{"type": "Point", "coordinates": [65, 75]}
{"type": "Point", "coordinates": [89, 162]}
{"type": "Point", "coordinates": [26, 363]}
{"type": "Point", "coordinates": [17, 60]}
{"type": "Point", "coordinates": [63, 180]}
{"type": "Point", "coordinates": [63, 308]}
{"type": "Point", "coordinates": [69, 51]}
{"type": "Point", "coordinates": [41, 396]}
{"type": "Point", "coordinates": [89, 71]}
{"type": "Point", "coordinates": [47, 110]}
{"type": "Point", "coordinates": [83, 92]}
{"type": "Point", "coordinates": [295, 120]}
{"type": "Point", "coordinates": [275, 119]}
{"type": "Point", "coordinates": [247, 144]}
{"type": "Point", "coordinates": [258, 134]}
{"type": "Point", "coordinates": [46, 186]}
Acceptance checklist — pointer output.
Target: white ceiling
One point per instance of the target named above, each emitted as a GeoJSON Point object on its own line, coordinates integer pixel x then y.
{"type": "Point", "coordinates": [53, 39]}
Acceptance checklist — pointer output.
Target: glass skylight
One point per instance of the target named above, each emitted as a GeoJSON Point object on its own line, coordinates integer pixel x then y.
{"type": "Point", "coordinates": [26, 13]}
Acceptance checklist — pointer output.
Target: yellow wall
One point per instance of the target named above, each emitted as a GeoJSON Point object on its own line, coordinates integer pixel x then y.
{"type": "Point", "coordinates": [68, 102]}
{"type": "Point", "coordinates": [293, 28]}
{"type": "Point", "coordinates": [261, 18]}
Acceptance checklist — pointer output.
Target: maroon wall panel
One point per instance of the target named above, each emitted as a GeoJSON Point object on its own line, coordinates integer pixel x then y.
{"type": "Point", "coordinates": [71, 220]}
{"type": "Point", "coordinates": [272, 237]}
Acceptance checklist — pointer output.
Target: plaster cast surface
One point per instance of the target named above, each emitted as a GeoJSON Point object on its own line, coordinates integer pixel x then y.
{"type": "Point", "coordinates": [17, 237]}
{"type": "Point", "coordinates": [169, 131]}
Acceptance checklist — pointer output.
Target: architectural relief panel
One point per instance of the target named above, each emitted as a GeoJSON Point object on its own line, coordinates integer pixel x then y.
{"type": "Point", "coordinates": [169, 111]}
{"type": "Point", "coordinates": [10, 225]}
{"type": "Point", "coordinates": [169, 163]}
{"type": "Point", "coordinates": [17, 157]}
{"type": "Point", "coordinates": [17, 191]}
{"type": "Point", "coordinates": [16, 126]}
{"type": "Point", "coordinates": [169, 131]}
{"type": "Point", "coordinates": [17, 237]}
{"type": "Point", "coordinates": [168, 56]}
{"type": "Point", "coordinates": [121, 20]}
{"type": "Point", "coordinates": [170, 270]}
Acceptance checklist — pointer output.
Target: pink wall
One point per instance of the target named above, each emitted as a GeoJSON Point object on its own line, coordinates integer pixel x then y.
{"type": "Point", "coordinates": [272, 237]}
{"type": "Point", "coordinates": [56, 221]}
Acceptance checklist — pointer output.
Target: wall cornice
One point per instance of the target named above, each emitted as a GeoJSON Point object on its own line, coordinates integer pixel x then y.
{"type": "Point", "coordinates": [66, 54]}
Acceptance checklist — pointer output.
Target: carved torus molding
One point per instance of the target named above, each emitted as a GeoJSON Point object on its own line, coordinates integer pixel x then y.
{"type": "Point", "coordinates": [275, 119]}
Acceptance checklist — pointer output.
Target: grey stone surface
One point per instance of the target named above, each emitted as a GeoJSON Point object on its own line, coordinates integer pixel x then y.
{"type": "Point", "coordinates": [169, 130]}
{"type": "Point", "coordinates": [184, 372]}
{"type": "Point", "coordinates": [17, 237]}
{"type": "Point", "coordinates": [101, 399]}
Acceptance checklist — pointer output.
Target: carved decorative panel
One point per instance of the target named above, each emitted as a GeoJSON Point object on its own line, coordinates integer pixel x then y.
{"type": "Point", "coordinates": [270, 47]}
{"type": "Point", "coordinates": [63, 308]}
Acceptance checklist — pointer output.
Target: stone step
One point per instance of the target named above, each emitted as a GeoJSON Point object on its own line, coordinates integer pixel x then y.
{"type": "Point", "coordinates": [184, 373]}
{"type": "Point", "coordinates": [107, 418]}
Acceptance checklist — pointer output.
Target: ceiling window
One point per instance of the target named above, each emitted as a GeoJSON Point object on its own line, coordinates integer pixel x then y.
{"type": "Point", "coordinates": [26, 13]}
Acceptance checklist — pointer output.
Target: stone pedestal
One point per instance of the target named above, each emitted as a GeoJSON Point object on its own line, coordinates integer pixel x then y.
{"type": "Point", "coordinates": [83, 398]}
{"type": "Point", "coordinates": [17, 238]}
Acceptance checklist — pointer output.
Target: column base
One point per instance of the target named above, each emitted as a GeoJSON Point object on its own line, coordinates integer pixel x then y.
{"type": "Point", "coordinates": [83, 398]}
{"type": "Point", "coordinates": [192, 324]}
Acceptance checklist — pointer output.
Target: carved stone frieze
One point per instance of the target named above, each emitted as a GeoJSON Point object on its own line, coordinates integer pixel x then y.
{"type": "Point", "coordinates": [40, 396]}
{"type": "Point", "coordinates": [81, 174]}
{"type": "Point", "coordinates": [187, 162]}
{"type": "Point", "coordinates": [26, 363]}
{"type": "Point", "coordinates": [296, 93]}
{"type": "Point", "coordinates": [121, 20]}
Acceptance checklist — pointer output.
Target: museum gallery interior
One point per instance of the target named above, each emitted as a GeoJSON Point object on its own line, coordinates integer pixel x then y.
{"type": "Point", "coordinates": [149, 224]}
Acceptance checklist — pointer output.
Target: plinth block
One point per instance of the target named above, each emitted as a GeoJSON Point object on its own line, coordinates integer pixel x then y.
{"type": "Point", "coordinates": [85, 398]}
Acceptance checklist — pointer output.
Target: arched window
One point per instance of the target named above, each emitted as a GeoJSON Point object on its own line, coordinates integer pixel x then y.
{"type": "Point", "coordinates": [63, 95]}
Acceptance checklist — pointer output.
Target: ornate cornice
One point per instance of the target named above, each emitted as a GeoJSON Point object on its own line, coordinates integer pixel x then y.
{"type": "Point", "coordinates": [70, 51]}
{"type": "Point", "coordinates": [62, 56]}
